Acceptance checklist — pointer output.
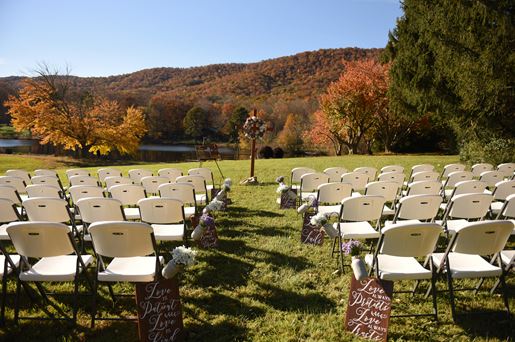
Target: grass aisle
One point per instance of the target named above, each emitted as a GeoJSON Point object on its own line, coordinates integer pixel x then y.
{"type": "Point", "coordinates": [262, 284]}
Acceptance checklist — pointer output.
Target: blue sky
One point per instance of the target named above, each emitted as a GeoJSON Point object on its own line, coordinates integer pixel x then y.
{"type": "Point", "coordinates": [110, 37]}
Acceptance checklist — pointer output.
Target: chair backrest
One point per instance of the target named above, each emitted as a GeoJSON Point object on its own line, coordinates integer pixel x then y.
{"type": "Point", "coordinates": [83, 191]}
{"type": "Point", "coordinates": [137, 174]}
{"type": "Point", "coordinates": [491, 177]}
{"type": "Point", "coordinates": [15, 182]}
{"type": "Point", "coordinates": [368, 170]}
{"type": "Point", "coordinates": [449, 168]}
{"type": "Point", "coordinates": [478, 169]}
{"type": "Point", "coordinates": [469, 187]}
{"type": "Point", "coordinates": [424, 176]}
{"type": "Point", "coordinates": [19, 173]}
{"type": "Point", "coordinates": [424, 188]}
{"type": "Point", "coordinates": [309, 182]}
{"type": "Point", "coordinates": [161, 210]}
{"type": "Point", "coordinates": [392, 168]}
{"type": "Point", "coordinates": [95, 209]}
{"type": "Point", "coordinates": [482, 238]}
{"type": "Point", "coordinates": [49, 180]}
{"type": "Point", "coordinates": [362, 208]}
{"type": "Point", "coordinates": [128, 194]}
{"type": "Point", "coordinates": [508, 209]}
{"type": "Point", "coordinates": [457, 176]}
{"type": "Point", "coordinates": [116, 180]}
{"type": "Point", "coordinates": [420, 168]}
{"type": "Point", "coordinates": [76, 172]}
{"type": "Point", "coordinates": [8, 212]}
{"type": "Point", "coordinates": [9, 192]}
{"type": "Point", "coordinates": [198, 182]}
{"type": "Point", "coordinates": [203, 172]}
{"type": "Point", "coordinates": [418, 207]}
{"type": "Point", "coordinates": [334, 192]}
{"type": "Point", "coordinates": [469, 206]}
{"type": "Point", "coordinates": [83, 180]}
{"type": "Point", "coordinates": [335, 173]}
{"type": "Point", "coordinates": [387, 189]}
{"type": "Point", "coordinates": [40, 239]}
{"type": "Point", "coordinates": [152, 183]}
{"type": "Point", "coordinates": [184, 192]}
{"type": "Point", "coordinates": [392, 177]}
{"type": "Point", "coordinates": [298, 172]}
{"type": "Point", "coordinates": [410, 240]}
{"type": "Point", "coordinates": [44, 190]}
{"type": "Point", "coordinates": [47, 209]}
{"type": "Point", "coordinates": [504, 189]}
{"type": "Point", "coordinates": [45, 172]}
{"type": "Point", "coordinates": [507, 169]}
{"type": "Point", "coordinates": [103, 173]}
{"type": "Point", "coordinates": [122, 239]}
{"type": "Point", "coordinates": [170, 173]}
{"type": "Point", "coordinates": [358, 180]}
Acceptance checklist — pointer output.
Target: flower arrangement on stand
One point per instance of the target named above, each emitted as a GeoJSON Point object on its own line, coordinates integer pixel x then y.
{"type": "Point", "coordinates": [285, 189]}
{"type": "Point", "coordinates": [222, 194]}
{"type": "Point", "coordinates": [205, 220]}
{"type": "Point", "coordinates": [309, 207]}
{"type": "Point", "coordinates": [354, 248]}
{"type": "Point", "coordinates": [182, 257]}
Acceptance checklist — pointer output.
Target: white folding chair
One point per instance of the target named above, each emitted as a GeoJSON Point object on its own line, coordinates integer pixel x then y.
{"type": "Point", "coordinates": [298, 172]}
{"type": "Point", "coordinates": [508, 209]}
{"type": "Point", "coordinates": [132, 250]}
{"type": "Point", "coordinates": [369, 171]}
{"type": "Point", "coordinates": [463, 257]}
{"type": "Point", "coordinates": [15, 182]}
{"type": "Point", "coordinates": [170, 173]}
{"type": "Point", "coordinates": [490, 178]}
{"type": "Point", "coordinates": [388, 190]}
{"type": "Point", "coordinates": [433, 187]}
{"type": "Point", "coordinates": [335, 173]}
{"type": "Point", "coordinates": [23, 174]}
{"type": "Point", "coordinates": [501, 193]}
{"type": "Point", "coordinates": [358, 180]}
{"type": "Point", "coordinates": [451, 181]}
{"type": "Point", "coordinates": [83, 180]}
{"type": "Point", "coordinates": [46, 172]}
{"type": "Point", "coordinates": [82, 191]}
{"type": "Point", "coordinates": [395, 258]}
{"type": "Point", "coordinates": [137, 174]}
{"type": "Point", "coordinates": [48, 180]}
{"type": "Point", "coordinates": [392, 177]}
{"type": "Point", "coordinates": [9, 192]}
{"type": "Point", "coordinates": [478, 169]}
{"type": "Point", "coordinates": [76, 172]}
{"type": "Point", "coordinates": [420, 168]}
{"type": "Point", "coordinates": [129, 195]}
{"type": "Point", "coordinates": [416, 209]}
{"type": "Point", "coordinates": [206, 173]}
{"type": "Point", "coordinates": [103, 173]}
{"type": "Point", "coordinates": [508, 169]}
{"type": "Point", "coordinates": [152, 183]}
{"type": "Point", "coordinates": [330, 196]}
{"type": "Point", "coordinates": [58, 261]}
{"type": "Point", "coordinates": [465, 208]}
{"type": "Point", "coordinates": [165, 216]}
{"type": "Point", "coordinates": [184, 192]}
{"type": "Point", "coordinates": [309, 183]}
{"type": "Point", "coordinates": [44, 190]}
{"type": "Point", "coordinates": [355, 222]}
{"type": "Point", "coordinates": [449, 168]}
{"type": "Point", "coordinates": [199, 184]}
{"type": "Point", "coordinates": [466, 187]}
{"type": "Point", "coordinates": [392, 168]}
{"type": "Point", "coordinates": [116, 180]}
{"type": "Point", "coordinates": [423, 176]}
{"type": "Point", "coordinates": [98, 209]}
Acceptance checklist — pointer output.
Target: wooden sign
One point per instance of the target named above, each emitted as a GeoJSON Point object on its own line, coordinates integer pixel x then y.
{"type": "Point", "coordinates": [159, 311]}
{"type": "Point", "coordinates": [368, 311]}
{"type": "Point", "coordinates": [310, 234]}
{"type": "Point", "coordinates": [287, 201]}
{"type": "Point", "coordinates": [209, 239]}
{"type": "Point", "coordinates": [194, 220]}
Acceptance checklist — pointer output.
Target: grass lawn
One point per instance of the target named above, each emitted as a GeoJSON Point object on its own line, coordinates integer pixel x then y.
{"type": "Point", "coordinates": [262, 284]}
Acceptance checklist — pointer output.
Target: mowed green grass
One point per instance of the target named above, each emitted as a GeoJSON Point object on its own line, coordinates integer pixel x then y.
{"type": "Point", "coordinates": [262, 284]}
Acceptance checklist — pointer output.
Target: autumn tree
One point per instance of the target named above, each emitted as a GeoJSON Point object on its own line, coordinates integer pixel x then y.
{"type": "Point", "coordinates": [325, 132]}
{"type": "Point", "coordinates": [195, 122]}
{"type": "Point", "coordinates": [47, 106]}
{"type": "Point", "coordinates": [355, 100]}
{"type": "Point", "coordinates": [236, 121]}
{"type": "Point", "coordinates": [165, 115]}
{"type": "Point", "coordinates": [292, 133]}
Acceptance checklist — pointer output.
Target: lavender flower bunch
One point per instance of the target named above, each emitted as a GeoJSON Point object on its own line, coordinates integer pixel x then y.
{"type": "Point", "coordinates": [206, 220]}
{"type": "Point", "coordinates": [352, 247]}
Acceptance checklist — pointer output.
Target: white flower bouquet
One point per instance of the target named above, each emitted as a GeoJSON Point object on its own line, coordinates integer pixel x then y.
{"type": "Point", "coordinates": [183, 255]}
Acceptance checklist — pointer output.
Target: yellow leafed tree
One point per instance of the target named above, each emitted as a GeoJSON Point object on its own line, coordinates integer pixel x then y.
{"type": "Point", "coordinates": [48, 107]}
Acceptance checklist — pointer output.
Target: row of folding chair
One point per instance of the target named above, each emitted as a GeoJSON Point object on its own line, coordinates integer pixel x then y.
{"type": "Point", "coordinates": [124, 252]}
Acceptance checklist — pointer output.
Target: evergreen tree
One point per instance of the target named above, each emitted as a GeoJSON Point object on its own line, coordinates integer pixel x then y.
{"type": "Point", "coordinates": [236, 121]}
{"type": "Point", "coordinates": [195, 122]}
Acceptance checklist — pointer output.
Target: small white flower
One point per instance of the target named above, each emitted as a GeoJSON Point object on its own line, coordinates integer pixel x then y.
{"type": "Point", "coordinates": [184, 256]}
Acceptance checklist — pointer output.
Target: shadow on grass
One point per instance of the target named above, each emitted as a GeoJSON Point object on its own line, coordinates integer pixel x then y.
{"type": "Point", "coordinates": [223, 270]}
{"type": "Point", "coordinates": [284, 300]}
{"type": "Point", "coordinates": [281, 260]}
{"type": "Point", "coordinates": [218, 304]}
{"type": "Point", "coordinates": [226, 330]}
{"type": "Point", "coordinates": [241, 212]}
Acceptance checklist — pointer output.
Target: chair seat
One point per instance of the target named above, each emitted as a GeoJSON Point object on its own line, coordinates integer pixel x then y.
{"type": "Point", "coordinates": [15, 259]}
{"type": "Point", "coordinates": [58, 268]}
{"type": "Point", "coordinates": [133, 269]}
{"type": "Point", "coordinates": [209, 187]}
{"type": "Point", "coordinates": [496, 207]}
{"type": "Point", "coordinates": [307, 195]}
{"type": "Point", "coordinates": [3, 232]}
{"type": "Point", "coordinates": [468, 266]}
{"type": "Point", "coordinates": [399, 268]}
{"type": "Point", "coordinates": [356, 230]}
{"type": "Point", "coordinates": [189, 211]}
{"type": "Point", "coordinates": [448, 193]}
{"type": "Point", "coordinates": [387, 211]}
{"type": "Point", "coordinates": [24, 197]}
{"type": "Point", "coordinates": [168, 232]}
{"type": "Point", "coordinates": [131, 213]}
{"type": "Point", "coordinates": [389, 223]}
{"type": "Point", "coordinates": [200, 198]}
{"type": "Point", "coordinates": [453, 225]}
{"type": "Point", "coordinates": [327, 209]}
{"type": "Point", "coordinates": [508, 257]}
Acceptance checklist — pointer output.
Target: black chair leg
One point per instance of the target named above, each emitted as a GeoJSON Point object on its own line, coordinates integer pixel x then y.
{"type": "Point", "coordinates": [75, 300]}
{"type": "Point", "coordinates": [4, 298]}
{"type": "Point", "coordinates": [505, 294]}
{"type": "Point", "coordinates": [17, 301]}
{"type": "Point", "coordinates": [451, 293]}
{"type": "Point", "coordinates": [94, 304]}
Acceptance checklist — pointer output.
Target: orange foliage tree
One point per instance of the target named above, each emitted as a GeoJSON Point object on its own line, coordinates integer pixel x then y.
{"type": "Point", "coordinates": [50, 110]}
{"type": "Point", "coordinates": [351, 105]}
{"type": "Point", "coordinates": [292, 133]}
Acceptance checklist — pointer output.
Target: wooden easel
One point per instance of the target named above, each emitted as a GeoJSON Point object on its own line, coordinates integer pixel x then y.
{"type": "Point", "coordinates": [206, 152]}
